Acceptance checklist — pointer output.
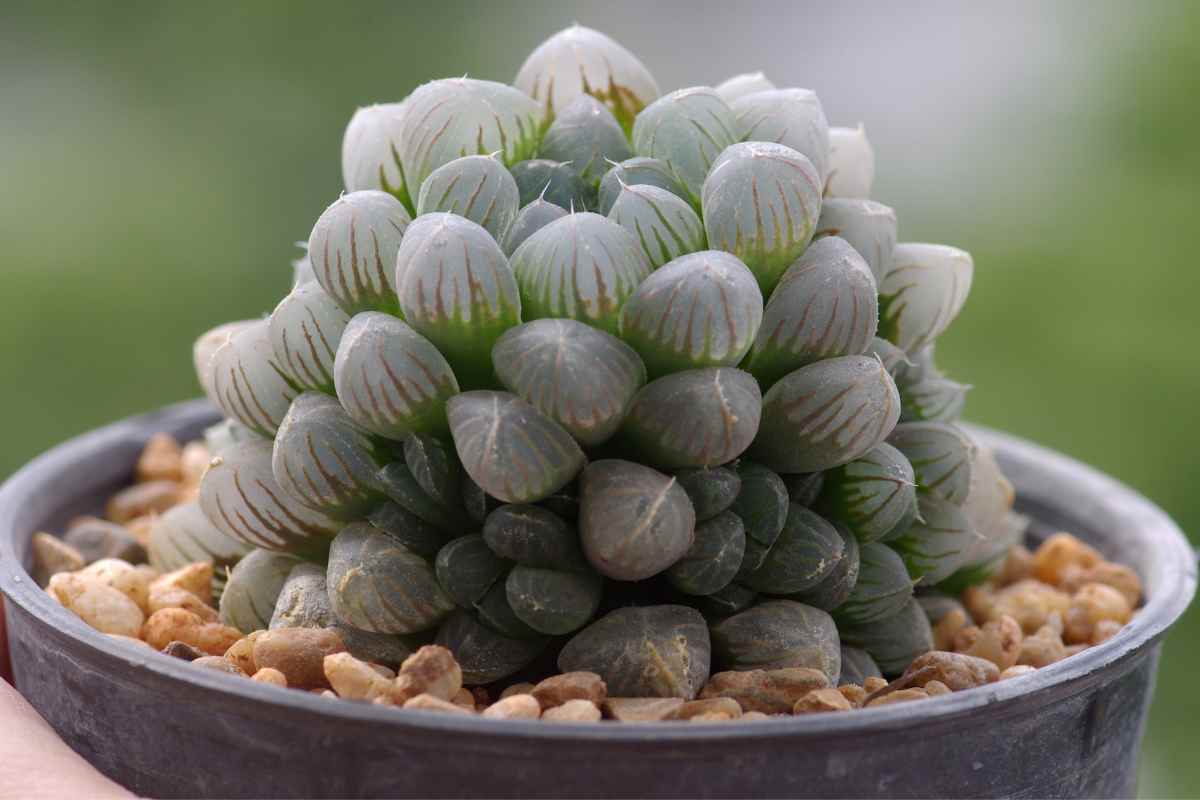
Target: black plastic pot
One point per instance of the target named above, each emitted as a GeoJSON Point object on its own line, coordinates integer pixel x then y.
{"type": "Point", "coordinates": [165, 729]}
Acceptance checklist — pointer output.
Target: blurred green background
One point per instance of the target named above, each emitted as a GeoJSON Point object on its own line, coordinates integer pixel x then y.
{"type": "Point", "coordinates": [159, 159]}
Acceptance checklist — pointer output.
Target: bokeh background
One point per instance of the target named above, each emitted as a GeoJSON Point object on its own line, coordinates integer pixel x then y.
{"type": "Point", "coordinates": [159, 160]}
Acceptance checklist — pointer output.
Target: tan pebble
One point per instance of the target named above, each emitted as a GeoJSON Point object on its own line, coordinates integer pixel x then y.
{"type": "Point", "coordinates": [517, 688]}
{"type": "Point", "coordinates": [936, 689]}
{"type": "Point", "coordinates": [431, 670]}
{"type": "Point", "coordinates": [573, 711]}
{"type": "Point", "coordinates": [1057, 553]}
{"type": "Point", "coordinates": [183, 651]}
{"type": "Point", "coordinates": [1017, 566]}
{"type": "Point", "coordinates": [129, 640]}
{"type": "Point", "coordinates": [712, 716]}
{"type": "Point", "coordinates": [1118, 576]}
{"type": "Point", "coordinates": [99, 605]}
{"type": "Point", "coordinates": [1042, 648]}
{"type": "Point", "coordinates": [171, 624]}
{"type": "Point", "coordinates": [140, 527]}
{"type": "Point", "coordinates": [1030, 603]}
{"type": "Point", "coordinates": [241, 652]}
{"type": "Point", "coordinates": [271, 676]}
{"type": "Point", "coordinates": [709, 705]}
{"type": "Point", "coordinates": [353, 679]}
{"type": "Point", "coordinates": [558, 689]}
{"type": "Point", "coordinates": [769, 691]}
{"type": "Point", "coordinates": [515, 706]}
{"type": "Point", "coordinates": [1016, 671]}
{"type": "Point", "coordinates": [957, 671]}
{"type": "Point", "coordinates": [464, 698]}
{"type": "Point", "coordinates": [194, 463]}
{"type": "Point", "coordinates": [854, 693]}
{"type": "Point", "coordinates": [328, 694]}
{"type": "Point", "coordinates": [1054, 621]}
{"type": "Point", "coordinates": [1074, 649]}
{"type": "Point", "coordinates": [754, 716]}
{"type": "Point", "coordinates": [161, 459]}
{"type": "Point", "coordinates": [180, 598]}
{"type": "Point", "coordinates": [641, 709]}
{"type": "Point", "coordinates": [822, 700]}
{"type": "Point", "coordinates": [141, 499]}
{"type": "Point", "coordinates": [947, 628]}
{"type": "Point", "coordinates": [874, 684]}
{"type": "Point", "coordinates": [427, 702]}
{"type": "Point", "coordinates": [124, 577]}
{"type": "Point", "coordinates": [1105, 629]}
{"type": "Point", "coordinates": [219, 664]}
{"type": "Point", "coordinates": [195, 578]}
{"type": "Point", "coordinates": [1093, 603]}
{"type": "Point", "coordinates": [966, 638]}
{"type": "Point", "coordinates": [51, 556]}
{"type": "Point", "coordinates": [299, 653]}
{"type": "Point", "coordinates": [383, 670]}
{"type": "Point", "coordinates": [898, 696]}
{"type": "Point", "coordinates": [999, 641]}
{"type": "Point", "coordinates": [979, 601]}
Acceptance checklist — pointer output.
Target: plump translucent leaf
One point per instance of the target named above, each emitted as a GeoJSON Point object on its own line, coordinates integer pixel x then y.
{"type": "Point", "coordinates": [204, 349]}
{"type": "Point", "coordinates": [826, 414]}
{"type": "Point", "coordinates": [805, 553]}
{"type": "Point", "coordinates": [923, 293]}
{"type": "Point", "coordinates": [586, 134]}
{"type": "Point", "coordinates": [371, 151]}
{"type": "Point", "coordinates": [418, 535]}
{"type": "Point", "coordinates": [303, 601]}
{"type": "Point", "coordinates": [762, 502]}
{"type": "Point", "coordinates": [302, 269]}
{"type": "Point", "coordinates": [666, 227]}
{"type": "Point", "coordinates": [651, 651]}
{"type": "Point", "coordinates": [253, 588]}
{"type": "Point", "coordinates": [804, 487]}
{"type": "Point", "coordinates": [535, 537]}
{"type": "Point", "coordinates": [466, 568]}
{"type": "Point", "coordinates": [835, 588]}
{"type": "Point", "coordinates": [711, 490]}
{"type": "Point", "coordinates": [851, 163]}
{"type": "Point", "coordinates": [555, 182]}
{"type": "Point", "coordinates": [306, 328]}
{"type": "Point", "coordinates": [185, 535]}
{"type": "Point", "coordinates": [926, 394]}
{"type": "Point", "coordinates": [894, 360]}
{"type": "Point", "coordinates": [579, 376]}
{"type": "Point", "coordinates": [582, 267]}
{"type": "Point", "coordinates": [941, 457]}
{"type": "Point", "coordinates": [989, 508]}
{"type": "Point", "coordinates": [578, 61]}
{"type": "Point", "coordinates": [390, 379]}
{"type": "Point", "coordinates": [893, 643]}
{"type": "Point", "coordinates": [791, 117]}
{"type": "Point", "coordinates": [484, 655]}
{"type": "Point", "coordinates": [495, 612]}
{"type": "Point", "coordinates": [513, 451]}
{"type": "Point", "coordinates": [695, 418]}
{"type": "Point", "coordinates": [761, 202]}
{"type": "Point", "coordinates": [936, 543]}
{"type": "Point", "coordinates": [434, 466]}
{"type": "Point", "coordinates": [872, 494]}
{"type": "Point", "coordinates": [455, 117]}
{"type": "Point", "coordinates": [634, 521]}
{"type": "Point", "coordinates": [687, 129]}
{"type": "Point", "coordinates": [739, 86]}
{"type": "Point", "coordinates": [700, 310]}
{"type": "Point", "coordinates": [824, 306]}
{"type": "Point", "coordinates": [378, 585]}
{"type": "Point", "coordinates": [778, 634]}
{"type": "Point", "coordinates": [457, 290]}
{"type": "Point", "coordinates": [713, 560]}
{"type": "Point", "coordinates": [353, 249]}
{"type": "Point", "coordinates": [240, 496]}
{"type": "Point", "coordinates": [726, 602]}
{"type": "Point", "coordinates": [402, 487]}
{"type": "Point", "coordinates": [247, 382]}
{"type": "Point", "coordinates": [636, 171]}
{"type": "Point", "coordinates": [226, 434]}
{"type": "Point", "coordinates": [857, 666]}
{"type": "Point", "coordinates": [882, 589]}
{"type": "Point", "coordinates": [553, 601]}
{"type": "Point", "coordinates": [476, 502]}
{"type": "Point", "coordinates": [476, 187]}
{"type": "Point", "coordinates": [531, 219]}
{"type": "Point", "coordinates": [324, 460]}
{"type": "Point", "coordinates": [869, 227]}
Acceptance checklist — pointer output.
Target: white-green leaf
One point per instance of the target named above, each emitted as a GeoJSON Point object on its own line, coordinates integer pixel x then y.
{"type": "Point", "coordinates": [353, 250]}
{"type": "Point", "coordinates": [306, 328]}
{"type": "Point", "coordinates": [851, 163]}
{"type": "Point", "coordinates": [666, 227]}
{"type": "Point", "coordinates": [791, 117]}
{"type": "Point", "coordinates": [248, 383]}
{"type": "Point", "coordinates": [687, 129]}
{"type": "Point", "coordinates": [476, 187]}
{"type": "Point", "coordinates": [371, 150]}
{"type": "Point", "coordinates": [869, 227]}
{"type": "Point", "coordinates": [923, 293]}
{"type": "Point", "coordinates": [739, 86]}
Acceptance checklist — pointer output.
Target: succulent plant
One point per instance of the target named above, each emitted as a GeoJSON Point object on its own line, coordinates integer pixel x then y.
{"type": "Point", "coordinates": [569, 358]}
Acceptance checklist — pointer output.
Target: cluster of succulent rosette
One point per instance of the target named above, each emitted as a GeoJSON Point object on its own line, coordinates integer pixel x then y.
{"type": "Point", "coordinates": [577, 373]}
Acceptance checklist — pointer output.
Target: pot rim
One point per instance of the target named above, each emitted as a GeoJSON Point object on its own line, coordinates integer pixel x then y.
{"type": "Point", "coordinates": [1172, 593]}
